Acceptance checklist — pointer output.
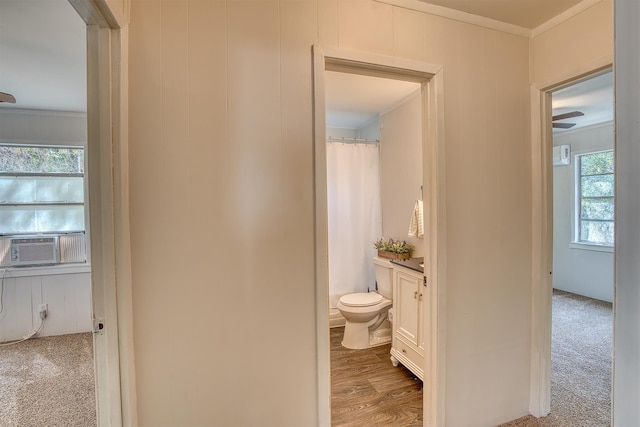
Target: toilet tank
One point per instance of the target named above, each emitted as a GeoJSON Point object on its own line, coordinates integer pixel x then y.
{"type": "Point", "coordinates": [384, 276]}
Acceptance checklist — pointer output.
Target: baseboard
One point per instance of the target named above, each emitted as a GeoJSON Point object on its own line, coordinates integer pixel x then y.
{"type": "Point", "coordinates": [335, 318]}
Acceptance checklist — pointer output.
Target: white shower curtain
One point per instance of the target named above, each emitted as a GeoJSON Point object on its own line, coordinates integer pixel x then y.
{"type": "Point", "coordinates": [353, 198]}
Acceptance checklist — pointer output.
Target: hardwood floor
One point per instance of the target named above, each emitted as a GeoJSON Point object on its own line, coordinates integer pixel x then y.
{"type": "Point", "coordinates": [366, 390]}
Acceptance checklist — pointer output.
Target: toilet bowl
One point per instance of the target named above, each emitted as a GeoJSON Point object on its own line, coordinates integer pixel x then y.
{"type": "Point", "coordinates": [366, 313]}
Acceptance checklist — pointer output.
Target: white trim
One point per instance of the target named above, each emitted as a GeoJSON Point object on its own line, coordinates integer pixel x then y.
{"type": "Point", "coordinates": [107, 62]}
{"type": "Point", "coordinates": [40, 143]}
{"type": "Point", "coordinates": [563, 17]}
{"type": "Point", "coordinates": [431, 78]}
{"type": "Point", "coordinates": [458, 15]}
{"type": "Point", "coordinates": [49, 270]}
{"type": "Point", "coordinates": [542, 231]}
{"type": "Point", "coordinates": [33, 112]}
{"type": "Point", "coordinates": [591, 247]}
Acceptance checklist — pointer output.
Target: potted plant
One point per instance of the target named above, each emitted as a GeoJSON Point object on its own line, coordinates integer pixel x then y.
{"type": "Point", "coordinates": [394, 249]}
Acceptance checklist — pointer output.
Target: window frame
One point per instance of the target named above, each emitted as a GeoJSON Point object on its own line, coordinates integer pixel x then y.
{"type": "Point", "coordinates": [577, 243]}
{"type": "Point", "coordinates": [82, 175]}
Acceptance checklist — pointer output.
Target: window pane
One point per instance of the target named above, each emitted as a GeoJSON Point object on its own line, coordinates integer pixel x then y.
{"type": "Point", "coordinates": [41, 219]}
{"type": "Point", "coordinates": [597, 186]}
{"type": "Point", "coordinates": [38, 189]}
{"type": "Point", "coordinates": [599, 232]}
{"type": "Point", "coordinates": [596, 163]}
{"type": "Point", "coordinates": [597, 208]}
{"type": "Point", "coordinates": [29, 159]}
{"type": "Point", "coordinates": [17, 190]}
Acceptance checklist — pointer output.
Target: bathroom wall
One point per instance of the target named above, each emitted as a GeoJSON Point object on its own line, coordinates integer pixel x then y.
{"type": "Point", "coordinates": [65, 289]}
{"type": "Point", "coordinates": [576, 269]}
{"type": "Point", "coordinates": [401, 169]}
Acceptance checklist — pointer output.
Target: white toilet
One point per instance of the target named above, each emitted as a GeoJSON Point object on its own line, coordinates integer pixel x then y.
{"type": "Point", "coordinates": [366, 313]}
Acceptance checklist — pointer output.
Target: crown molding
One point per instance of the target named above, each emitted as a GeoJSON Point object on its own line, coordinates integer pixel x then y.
{"type": "Point", "coordinates": [457, 15]}
{"type": "Point", "coordinates": [564, 16]}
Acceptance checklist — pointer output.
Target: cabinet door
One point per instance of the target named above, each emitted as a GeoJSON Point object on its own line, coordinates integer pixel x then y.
{"type": "Point", "coordinates": [407, 302]}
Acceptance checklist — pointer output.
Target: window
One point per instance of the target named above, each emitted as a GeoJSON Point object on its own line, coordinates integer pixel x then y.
{"type": "Point", "coordinates": [595, 198]}
{"type": "Point", "coordinates": [41, 189]}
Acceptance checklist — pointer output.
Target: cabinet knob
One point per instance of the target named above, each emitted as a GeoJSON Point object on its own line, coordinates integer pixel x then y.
{"type": "Point", "coordinates": [404, 351]}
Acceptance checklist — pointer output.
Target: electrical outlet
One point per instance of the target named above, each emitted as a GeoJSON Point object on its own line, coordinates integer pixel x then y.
{"type": "Point", "coordinates": [43, 307]}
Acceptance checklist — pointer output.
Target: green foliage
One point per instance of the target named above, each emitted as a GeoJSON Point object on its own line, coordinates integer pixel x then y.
{"type": "Point", "coordinates": [596, 163]}
{"type": "Point", "coordinates": [48, 160]}
{"type": "Point", "coordinates": [397, 246]}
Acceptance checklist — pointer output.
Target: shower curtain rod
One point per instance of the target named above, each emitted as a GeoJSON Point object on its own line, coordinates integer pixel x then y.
{"type": "Point", "coordinates": [346, 139]}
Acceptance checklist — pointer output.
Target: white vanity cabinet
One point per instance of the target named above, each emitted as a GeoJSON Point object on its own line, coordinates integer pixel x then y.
{"type": "Point", "coordinates": [407, 345]}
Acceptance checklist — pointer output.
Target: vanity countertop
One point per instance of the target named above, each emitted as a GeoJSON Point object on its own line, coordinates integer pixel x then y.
{"type": "Point", "coordinates": [411, 263]}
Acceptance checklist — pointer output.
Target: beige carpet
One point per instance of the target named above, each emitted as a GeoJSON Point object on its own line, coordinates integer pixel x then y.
{"type": "Point", "coordinates": [581, 351]}
{"type": "Point", "coordinates": [48, 382]}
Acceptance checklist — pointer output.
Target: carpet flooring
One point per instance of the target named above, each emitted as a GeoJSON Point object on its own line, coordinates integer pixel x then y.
{"type": "Point", "coordinates": [48, 382]}
{"type": "Point", "coordinates": [581, 355]}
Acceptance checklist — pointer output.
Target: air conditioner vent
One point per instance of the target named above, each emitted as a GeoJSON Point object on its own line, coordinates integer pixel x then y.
{"type": "Point", "coordinates": [562, 155]}
{"type": "Point", "coordinates": [34, 250]}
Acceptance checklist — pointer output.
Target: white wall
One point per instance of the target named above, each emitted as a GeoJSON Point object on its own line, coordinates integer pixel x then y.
{"type": "Point", "coordinates": [401, 169]}
{"type": "Point", "coordinates": [578, 269]}
{"type": "Point", "coordinates": [552, 65]}
{"type": "Point", "coordinates": [221, 162]}
{"type": "Point", "coordinates": [65, 290]}
{"type": "Point", "coordinates": [626, 387]}
{"type": "Point", "coordinates": [42, 127]}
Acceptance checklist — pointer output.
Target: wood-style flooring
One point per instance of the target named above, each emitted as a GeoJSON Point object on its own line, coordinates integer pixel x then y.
{"type": "Point", "coordinates": [367, 390]}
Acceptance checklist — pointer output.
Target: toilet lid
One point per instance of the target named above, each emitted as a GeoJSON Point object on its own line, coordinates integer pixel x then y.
{"type": "Point", "coordinates": [363, 299]}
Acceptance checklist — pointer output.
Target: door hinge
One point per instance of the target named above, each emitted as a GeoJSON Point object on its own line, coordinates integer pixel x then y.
{"type": "Point", "coordinates": [424, 280]}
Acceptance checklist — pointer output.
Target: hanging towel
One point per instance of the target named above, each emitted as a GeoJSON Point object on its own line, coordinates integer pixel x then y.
{"type": "Point", "coordinates": [416, 225]}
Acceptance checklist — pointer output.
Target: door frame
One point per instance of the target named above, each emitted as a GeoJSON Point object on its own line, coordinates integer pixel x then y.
{"type": "Point", "coordinates": [542, 233]}
{"type": "Point", "coordinates": [107, 152]}
{"type": "Point", "coordinates": [431, 78]}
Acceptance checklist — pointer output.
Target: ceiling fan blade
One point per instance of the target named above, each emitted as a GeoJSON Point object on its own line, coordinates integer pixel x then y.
{"type": "Point", "coordinates": [568, 115]}
{"type": "Point", "coordinates": [7, 97]}
{"type": "Point", "coordinates": [563, 125]}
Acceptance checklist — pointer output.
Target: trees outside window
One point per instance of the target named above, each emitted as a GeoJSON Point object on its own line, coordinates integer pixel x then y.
{"type": "Point", "coordinates": [595, 198]}
{"type": "Point", "coordinates": [41, 189]}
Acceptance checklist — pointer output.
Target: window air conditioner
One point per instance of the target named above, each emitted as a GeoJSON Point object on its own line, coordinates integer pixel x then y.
{"type": "Point", "coordinates": [34, 250]}
{"type": "Point", "coordinates": [562, 155]}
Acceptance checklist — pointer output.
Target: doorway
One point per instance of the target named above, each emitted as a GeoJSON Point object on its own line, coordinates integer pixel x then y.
{"type": "Point", "coordinates": [107, 165]}
{"type": "Point", "coordinates": [45, 300]}
{"type": "Point", "coordinates": [583, 245]}
{"type": "Point", "coordinates": [430, 79]}
{"type": "Point", "coordinates": [374, 174]}
{"type": "Point", "coordinates": [543, 227]}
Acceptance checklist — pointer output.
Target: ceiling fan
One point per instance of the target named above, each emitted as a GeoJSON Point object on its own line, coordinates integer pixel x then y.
{"type": "Point", "coordinates": [564, 116]}
{"type": "Point", "coordinates": [7, 97]}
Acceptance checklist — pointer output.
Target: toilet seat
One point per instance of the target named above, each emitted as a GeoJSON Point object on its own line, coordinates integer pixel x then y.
{"type": "Point", "coordinates": [361, 299]}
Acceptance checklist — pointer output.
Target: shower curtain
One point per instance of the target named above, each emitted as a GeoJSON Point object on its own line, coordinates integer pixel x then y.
{"type": "Point", "coordinates": [355, 218]}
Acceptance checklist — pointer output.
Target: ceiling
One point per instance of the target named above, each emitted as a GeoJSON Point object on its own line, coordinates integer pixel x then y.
{"type": "Point", "coordinates": [42, 55]}
{"type": "Point", "coordinates": [524, 13]}
{"type": "Point", "coordinates": [353, 101]}
{"type": "Point", "coordinates": [593, 97]}
{"type": "Point", "coordinates": [43, 63]}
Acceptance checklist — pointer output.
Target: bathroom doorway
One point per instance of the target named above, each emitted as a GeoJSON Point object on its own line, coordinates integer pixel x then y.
{"type": "Point", "coordinates": [373, 130]}
{"type": "Point", "coordinates": [430, 171]}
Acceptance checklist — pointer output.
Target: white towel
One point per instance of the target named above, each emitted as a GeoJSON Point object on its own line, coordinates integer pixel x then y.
{"type": "Point", "coordinates": [416, 225]}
